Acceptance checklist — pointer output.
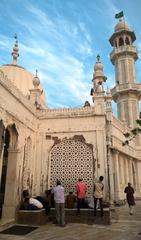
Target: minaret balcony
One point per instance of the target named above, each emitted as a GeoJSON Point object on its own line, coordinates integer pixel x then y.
{"type": "Point", "coordinates": [121, 89]}
{"type": "Point", "coordinates": [124, 50]}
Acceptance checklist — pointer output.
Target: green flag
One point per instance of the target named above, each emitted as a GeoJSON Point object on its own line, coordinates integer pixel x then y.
{"type": "Point", "coordinates": [119, 15]}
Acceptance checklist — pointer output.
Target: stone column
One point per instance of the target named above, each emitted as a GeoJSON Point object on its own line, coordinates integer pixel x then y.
{"type": "Point", "coordinates": [110, 175]}
{"type": "Point", "coordinates": [117, 179]}
{"type": "Point", "coordinates": [126, 170]}
{"type": "Point", "coordinates": [120, 165]}
{"type": "Point", "coordinates": [130, 170]}
{"type": "Point", "coordinates": [11, 185]}
{"type": "Point", "coordinates": [137, 176]}
{"type": "Point", "coordinates": [1, 160]}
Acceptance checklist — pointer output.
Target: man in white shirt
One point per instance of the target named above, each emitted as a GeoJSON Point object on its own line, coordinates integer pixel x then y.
{"type": "Point", "coordinates": [98, 194]}
{"type": "Point", "coordinates": [35, 202]}
{"type": "Point", "coordinates": [59, 199]}
{"type": "Point", "coordinates": [30, 203]}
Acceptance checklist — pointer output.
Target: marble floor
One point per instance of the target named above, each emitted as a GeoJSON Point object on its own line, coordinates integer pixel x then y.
{"type": "Point", "coordinates": [127, 228]}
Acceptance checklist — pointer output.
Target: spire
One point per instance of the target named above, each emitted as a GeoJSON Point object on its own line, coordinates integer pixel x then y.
{"type": "Point", "coordinates": [97, 92]}
{"type": "Point", "coordinates": [98, 75]}
{"type": "Point", "coordinates": [98, 58]}
{"type": "Point", "coordinates": [15, 52]}
{"type": "Point", "coordinates": [36, 80]}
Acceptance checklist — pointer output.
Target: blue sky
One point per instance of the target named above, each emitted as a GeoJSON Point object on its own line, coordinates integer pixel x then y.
{"type": "Point", "coordinates": [61, 38]}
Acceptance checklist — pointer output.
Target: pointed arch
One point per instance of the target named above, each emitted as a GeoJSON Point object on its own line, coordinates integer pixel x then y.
{"type": "Point", "coordinates": [121, 41]}
{"type": "Point", "coordinates": [127, 42]}
{"type": "Point", "coordinates": [9, 163]}
{"type": "Point", "coordinates": [70, 160]}
{"type": "Point", "coordinates": [13, 136]}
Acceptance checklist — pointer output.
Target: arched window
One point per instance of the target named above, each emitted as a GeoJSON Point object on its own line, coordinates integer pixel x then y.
{"type": "Point", "coordinates": [121, 42]}
{"type": "Point", "coordinates": [127, 41]}
{"type": "Point", "coordinates": [115, 43]}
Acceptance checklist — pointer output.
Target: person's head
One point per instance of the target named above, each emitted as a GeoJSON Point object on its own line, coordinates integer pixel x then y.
{"type": "Point", "coordinates": [58, 182]}
{"type": "Point", "coordinates": [80, 180]}
{"type": "Point", "coordinates": [129, 184]}
{"type": "Point", "coordinates": [101, 178]}
{"type": "Point", "coordinates": [48, 192]}
{"type": "Point", "coordinates": [25, 193]}
{"type": "Point", "coordinates": [70, 192]}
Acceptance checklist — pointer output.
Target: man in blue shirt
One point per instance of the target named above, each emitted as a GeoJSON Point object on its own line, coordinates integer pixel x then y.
{"type": "Point", "coordinates": [59, 199]}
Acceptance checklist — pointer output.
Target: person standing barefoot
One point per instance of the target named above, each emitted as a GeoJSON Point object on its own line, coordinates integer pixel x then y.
{"type": "Point", "coordinates": [129, 190]}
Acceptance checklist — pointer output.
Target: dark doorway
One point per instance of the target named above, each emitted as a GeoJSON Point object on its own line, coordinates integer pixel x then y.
{"type": "Point", "coordinates": [4, 168]}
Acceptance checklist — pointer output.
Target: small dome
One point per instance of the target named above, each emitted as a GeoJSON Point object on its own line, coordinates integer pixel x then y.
{"type": "Point", "coordinates": [122, 25]}
{"type": "Point", "coordinates": [15, 49]}
{"type": "Point", "coordinates": [20, 77]}
{"type": "Point", "coordinates": [98, 66]}
{"type": "Point", "coordinates": [36, 82]}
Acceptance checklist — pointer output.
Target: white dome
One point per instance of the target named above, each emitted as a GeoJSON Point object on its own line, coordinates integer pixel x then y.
{"type": "Point", "coordinates": [121, 26]}
{"type": "Point", "coordinates": [20, 77]}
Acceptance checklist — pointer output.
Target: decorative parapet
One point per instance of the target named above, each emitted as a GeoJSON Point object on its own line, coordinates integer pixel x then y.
{"type": "Point", "coordinates": [117, 51]}
{"type": "Point", "coordinates": [117, 140]}
{"type": "Point", "coordinates": [126, 150]}
{"type": "Point", "coordinates": [8, 85]}
{"type": "Point", "coordinates": [126, 87]}
{"type": "Point", "coordinates": [65, 112]}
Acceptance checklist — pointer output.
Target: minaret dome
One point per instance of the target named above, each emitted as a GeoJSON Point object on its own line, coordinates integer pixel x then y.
{"type": "Point", "coordinates": [36, 80]}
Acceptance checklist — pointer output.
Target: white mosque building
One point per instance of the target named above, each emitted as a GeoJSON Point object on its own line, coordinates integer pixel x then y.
{"type": "Point", "coordinates": [39, 145]}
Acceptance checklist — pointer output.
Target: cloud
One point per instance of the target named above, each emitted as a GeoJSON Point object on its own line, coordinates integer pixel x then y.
{"type": "Point", "coordinates": [5, 43]}
{"type": "Point", "coordinates": [58, 55]}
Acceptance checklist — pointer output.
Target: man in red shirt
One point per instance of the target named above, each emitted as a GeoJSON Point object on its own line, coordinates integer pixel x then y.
{"type": "Point", "coordinates": [81, 190]}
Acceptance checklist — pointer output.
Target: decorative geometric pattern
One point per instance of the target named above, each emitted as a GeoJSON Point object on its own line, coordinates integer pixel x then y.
{"type": "Point", "coordinates": [71, 160]}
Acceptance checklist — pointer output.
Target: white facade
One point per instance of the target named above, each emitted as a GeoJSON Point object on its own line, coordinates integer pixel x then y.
{"type": "Point", "coordinates": [39, 145]}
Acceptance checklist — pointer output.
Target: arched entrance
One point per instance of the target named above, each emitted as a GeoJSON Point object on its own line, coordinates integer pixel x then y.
{"type": "Point", "coordinates": [4, 167]}
{"type": "Point", "coordinates": [69, 161]}
{"type": "Point", "coordinates": [9, 138]}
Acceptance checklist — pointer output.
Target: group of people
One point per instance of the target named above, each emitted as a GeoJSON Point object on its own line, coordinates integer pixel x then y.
{"type": "Point", "coordinates": [39, 202]}
{"type": "Point", "coordinates": [81, 190]}
{"type": "Point", "coordinates": [58, 200]}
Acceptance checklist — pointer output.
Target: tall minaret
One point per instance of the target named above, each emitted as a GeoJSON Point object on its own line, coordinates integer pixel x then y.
{"type": "Point", "coordinates": [15, 52]}
{"type": "Point", "coordinates": [127, 92]}
{"type": "Point", "coordinates": [97, 92]}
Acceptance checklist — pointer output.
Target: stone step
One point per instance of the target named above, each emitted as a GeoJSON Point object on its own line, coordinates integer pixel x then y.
{"type": "Point", "coordinates": [86, 216]}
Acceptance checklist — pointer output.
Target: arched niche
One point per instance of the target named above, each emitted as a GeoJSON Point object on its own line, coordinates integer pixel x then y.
{"type": "Point", "coordinates": [70, 160]}
{"type": "Point", "coordinates": [121, 41]}
{"type": "Point", "coordinates": [127, 41]}
{"type": "Point", "coordinates": [9, 171]}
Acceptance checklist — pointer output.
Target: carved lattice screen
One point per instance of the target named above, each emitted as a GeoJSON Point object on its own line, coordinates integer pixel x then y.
{"type": "Point", "coordinates": [69, 161]}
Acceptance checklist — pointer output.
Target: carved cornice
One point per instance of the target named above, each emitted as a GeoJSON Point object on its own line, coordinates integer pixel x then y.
{"type": "Point", "coordinates": [66, 112]}
{"type": "Point", "coordinates": [9, 86]}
